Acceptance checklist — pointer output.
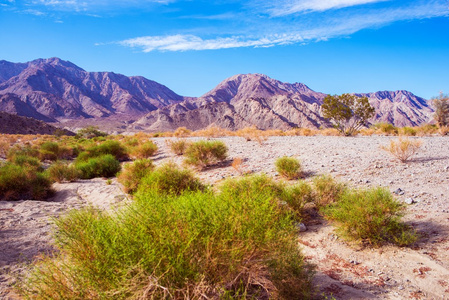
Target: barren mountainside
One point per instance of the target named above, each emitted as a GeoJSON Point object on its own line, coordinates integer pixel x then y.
{"type": "Point", "coordinates": [57, 90]}
{"type": "Point", "coordinates": [13, 124]}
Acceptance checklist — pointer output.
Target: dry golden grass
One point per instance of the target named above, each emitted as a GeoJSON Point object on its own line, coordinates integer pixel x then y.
{"type": "Point", "coordinates": [182, 132]}
{"type": "Point", "coordinates": [252, 134]}
{"type": "Point", "coordinates": [212, 132]}
{"type": "Point", "coordinates": [329, 132]}
{"type": "Point", "coordinates": [403, 148]}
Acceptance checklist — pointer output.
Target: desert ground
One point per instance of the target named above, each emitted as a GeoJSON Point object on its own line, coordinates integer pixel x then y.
{"type": "Point", "coordinates": [345, 270]}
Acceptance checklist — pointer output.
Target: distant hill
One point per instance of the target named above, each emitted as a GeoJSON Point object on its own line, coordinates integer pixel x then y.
{"type": "Point", "coordinates": [13, 124]}
{"type": "Point", "coordinates": [54, 90]}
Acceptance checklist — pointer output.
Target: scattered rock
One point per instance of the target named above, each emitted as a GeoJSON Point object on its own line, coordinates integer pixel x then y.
{"type": "Point", "coordinates": [409, 201]}
{"type": "Point", "coordinates": [301, 227]}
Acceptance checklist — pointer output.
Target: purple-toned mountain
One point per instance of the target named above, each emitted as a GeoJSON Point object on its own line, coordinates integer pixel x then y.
{"type": "Point", "coordinates": [60, 90]}
{"type": "Point", "coordinates": [261, 101]}
{"type": "Point", "coordinates": [57, 90]}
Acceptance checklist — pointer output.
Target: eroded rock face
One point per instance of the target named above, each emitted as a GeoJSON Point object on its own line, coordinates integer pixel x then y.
{"type": "Point", "coordinates": [60, 90]}
{"type": "Point", "coordinates": [56, 90]}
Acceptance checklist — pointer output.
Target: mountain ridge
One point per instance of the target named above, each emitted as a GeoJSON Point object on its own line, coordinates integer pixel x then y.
{"type": "Point", "coordinates": [56, 90]}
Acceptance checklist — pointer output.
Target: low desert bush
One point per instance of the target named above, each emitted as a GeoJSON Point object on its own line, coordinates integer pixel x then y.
{"type": "Point", "coordinates": [27, 162]}
{"type": "Point", "coordinates": [143, 150]}
{"type": "Point", "coordinates": [60, 172]}
{"type": "Point", "coordinates": [212, 132]}
{"type": "Point", "coordinates": [99, 166]}
{"type": "Point", "coordinates": [23, 182]}
{"type": "Point", "coordinates": [427, 129]}
{"type": "Point", "coordinates": [90, 132]}
{"type": "Point", "coordinates": [371, 216]}
{"type": "Point", "coordinates": [252, 134]}
{"type": "Point", "coordinates": [327, 190]}
{"type": "Point", "coordinates": [297, 196]}
{"type": "Point", "coordinates": [170, 179]}
{"type": "Point", "coordinates": [25, 150]}
{"type": "Point", "coordinates": [385, 128]}
{"type": "Point", "coordinates": [205, 153]}
{"type": "Point", "coordinates": [113, 148]}
{"type": "Point", "coordinates": [132, 174]}
{"type": "Point", "coordinates": [182, 132]}
{"type": "Point", "coordinates": [403, 148]}
{"type": "Point", "coordinates": [193, 246]}
{"type": "Point", "coordinates": [288, 167]}
{"type": "Point", "coordinates": [179, 146]}
{"type": "Point", "coordinates": [407, 131]}
{"type": "Point", "coordinates": [329, 132]}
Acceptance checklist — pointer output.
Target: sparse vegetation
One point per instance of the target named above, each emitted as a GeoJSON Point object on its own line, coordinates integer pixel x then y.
{"type": "Point", "coordinates": [371, 216]}
{"type": "Point", "coordinates": [90, 132]}
{"type": "Point", "coordinates": [60, 172]}
{"type": "Point", "coordinates": [327, 190]}
{"type": "Point", "coordinates": [182, 132]}
{"type": "Point", "coordinates": [441, 105]}
{"type": "Point", "coordinates": [178, 146]}
{"type": "Point", "coordinates": [171, 180]}
{"type": "Point", "coordinates": [143, 150]}
{"type": "Point", "coordinates": [132, 174]}
{"type": "Point", "coordinates": [252, 134]}
{"type": "Point", "coordinates": [347, 112]}
{"type": "Point", "coordinates": [168, 246]}
{"type": "Point", "coordinates": [98, 166]}
{"type": "Point", "coordinates": [288, 167]}
{"type": "Point", "coordinates": [23, 182]}
{"type": "Point", "coordinates": [205, 153]}
{"type": "Point", "coordinates": [403, 149]}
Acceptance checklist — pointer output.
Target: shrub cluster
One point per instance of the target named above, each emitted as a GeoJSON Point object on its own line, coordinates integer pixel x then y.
{"type": "Point", "coordinates": [98, 166]}
{"type": "Point", "coordinates": [59, 172]}
{"type": "Point", "coordinates": [222, 245]}
{"type": "Point", "coordinates": [178, 147]}
{"type": "Point", "coordinates": [132, 174]}
{"type": "Point", "coordinates": [371, 216]}
{"type": "Point", "coordinates": [23, 180]}
{"type": "Point", "coordinates": [205, 153]}
{"type": "Point", "coordinates": [403, 149]}
{"type": "Point", "coordinates": [288, 167]}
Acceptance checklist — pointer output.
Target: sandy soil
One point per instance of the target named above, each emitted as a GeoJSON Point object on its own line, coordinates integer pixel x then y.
{"type": "Point", "coordinates": [344, 270]}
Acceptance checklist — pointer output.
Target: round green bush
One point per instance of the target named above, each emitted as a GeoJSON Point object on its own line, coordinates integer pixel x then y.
{"type": "Point", "coordinates": [288, 167]}
{"type": "Point", "coordinates": [101, 166]}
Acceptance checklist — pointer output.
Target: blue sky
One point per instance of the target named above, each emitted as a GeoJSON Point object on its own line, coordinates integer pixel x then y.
{"type": "Point", "coordinates": [333, 46]}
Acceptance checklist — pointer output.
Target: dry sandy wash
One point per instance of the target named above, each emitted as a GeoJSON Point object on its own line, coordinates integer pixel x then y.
{"type": "Point", "coordinates": [346, 271]}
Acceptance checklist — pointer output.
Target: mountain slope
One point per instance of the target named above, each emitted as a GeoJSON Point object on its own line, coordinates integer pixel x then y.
{"type": "Point", "coordinates": [60, 90]}
{"type": "Point", "coordinates": [13, 124]}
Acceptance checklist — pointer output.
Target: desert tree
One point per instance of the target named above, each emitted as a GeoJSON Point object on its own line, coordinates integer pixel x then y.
{"type": "Point", "coordinates": [347, 112]}
{"type": "Point", "coordinates": [441, 106]}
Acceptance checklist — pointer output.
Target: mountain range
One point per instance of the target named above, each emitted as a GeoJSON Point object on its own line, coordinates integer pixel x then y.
{"type": "Point", "coordinates": [54, 90]}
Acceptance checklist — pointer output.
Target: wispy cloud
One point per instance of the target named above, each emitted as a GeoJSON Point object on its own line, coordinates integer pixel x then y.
{"type": "Point", "coordinates": [329, 27]}
{"type": "Point", "coordinates": [287, 7]}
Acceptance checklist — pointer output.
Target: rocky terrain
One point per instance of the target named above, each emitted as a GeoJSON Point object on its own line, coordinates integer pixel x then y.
{"type": "Point", "coordinates": [344, 270]}
{"type": "Point", "coordinates": [54, 90]}
{"type": "Point", "coordinates": [13, 124]}
{"type": "Point", "coordinates": [60, 90]}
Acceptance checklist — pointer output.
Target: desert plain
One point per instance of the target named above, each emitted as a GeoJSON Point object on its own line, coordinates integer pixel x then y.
{"type": "Point", "coordinates": [345, 270]}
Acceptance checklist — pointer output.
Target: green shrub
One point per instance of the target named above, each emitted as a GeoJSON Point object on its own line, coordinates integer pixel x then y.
{"type": "Point", "coordinates": [386, 128]}
{"type": "Point", "coordinates": [108, 147]}
{"type": "Point", "coordinates": [132, 174]}
{"type": "Point", "coordinates": [22, 182]}
{"type": "Point", "coordinates": [49, 151]}
{"type": "Point", "coordinates": [144, 150]}
{"type": "Point", "coordinates": [176, 247]}
{"type": "Point", "coordinates": [288, 167]}
{"type": "Point", "coordinates": [27, 162]}
{"type": "Point", "coordinates": [178, 147]}
{"type": "Point", "coordinates": [297, 196]}
{"type": "Point", "coordinates": [22, 150]}
{"type": "Point", "coordinates": [59, 172]}
{"type": "Point", "coordinates": [327, 190]}
{"type": "Point", "coordinates": [205, 153]}
{"type": "Point", "coordinates": [90, 132]}
{"type": "Point", "coordinates": [101, 166]}
{"type": "Point", "coordinates": [170, 179]}
{"type": "Point", "coordinates": [371, 216]}
{"type": "Point", "coordinates": [408, 131]}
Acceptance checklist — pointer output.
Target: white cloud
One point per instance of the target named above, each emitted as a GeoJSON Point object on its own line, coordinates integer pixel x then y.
{"type": "Point", "coordinates": [341, 25]}
{"type": "Point", "coordinates": [287, 7]}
